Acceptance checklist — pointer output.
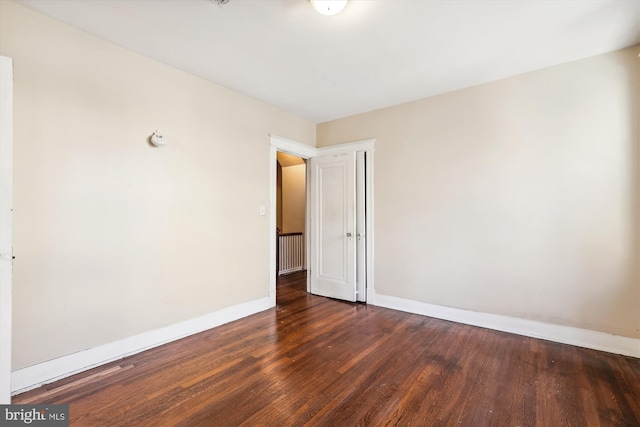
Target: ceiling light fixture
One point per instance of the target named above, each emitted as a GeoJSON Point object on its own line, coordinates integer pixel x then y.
{"type": "Point", "coordinates": [328, 7]}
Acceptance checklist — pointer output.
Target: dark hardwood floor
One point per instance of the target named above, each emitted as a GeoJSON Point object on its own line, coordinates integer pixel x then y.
{"type": "Point", "coordinates": [317, 361]}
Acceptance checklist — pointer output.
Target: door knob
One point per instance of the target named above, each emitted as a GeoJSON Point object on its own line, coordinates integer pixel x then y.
{"type": "Point", "coordinates": [349, 234]}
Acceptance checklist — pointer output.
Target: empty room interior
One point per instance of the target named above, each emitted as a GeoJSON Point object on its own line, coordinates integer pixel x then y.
{"type": "Point", "coordinates": [463, 247]}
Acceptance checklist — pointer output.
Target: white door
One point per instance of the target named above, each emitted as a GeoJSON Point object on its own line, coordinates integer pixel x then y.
{"type": "Point", "coordinates": [6, 161]}
{"type": "Point", "coordinates": [333, 222]}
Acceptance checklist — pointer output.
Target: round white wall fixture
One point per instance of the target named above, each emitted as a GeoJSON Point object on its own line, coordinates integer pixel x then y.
{"type": "Point", "coordinates": [157, 140]}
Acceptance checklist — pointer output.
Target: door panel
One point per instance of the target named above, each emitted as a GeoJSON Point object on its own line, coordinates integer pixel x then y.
{"type": "Point", "coordinates": [333, 240]}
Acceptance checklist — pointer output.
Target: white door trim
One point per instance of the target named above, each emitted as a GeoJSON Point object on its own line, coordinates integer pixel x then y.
{"type": "Point", "coordinates": [6, 205]}
{"type": "Point", "coordinates": [371, 294]}
{"type": "Point", "coordinates": [304, 151]}
{"type": "Point", "coordinates": [361, 226]}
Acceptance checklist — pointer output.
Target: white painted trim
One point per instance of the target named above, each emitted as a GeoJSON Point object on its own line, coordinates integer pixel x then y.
{"type": "Point", "coordinates": [530, 328]}
{"type": "Point", "coordinates": [52, 370]}
{"type": "Point", "coordinates": [292, 147]}
{"type": "Point", "coordinates": [304, 151]}
{"type": "Point", "coordinates": [273, 170]}
{"type": "Point", "coordinates": [6, 219]}
{"type": "Point", "coordinates": [307, 225]}
{"type": "Point", "coordinates": [361, 227]}
{"type": "Point", "coordinates": [371, 293]}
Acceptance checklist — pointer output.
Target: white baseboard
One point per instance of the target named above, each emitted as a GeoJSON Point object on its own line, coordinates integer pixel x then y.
{"type": "Point", "coordinates": [34, 376]}
{"type": "Point", "coordinates": [530, 328]}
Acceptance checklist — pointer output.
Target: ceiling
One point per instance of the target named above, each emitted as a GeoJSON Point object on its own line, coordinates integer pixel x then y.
{"type": "Point", "coordinates": [374, 54]}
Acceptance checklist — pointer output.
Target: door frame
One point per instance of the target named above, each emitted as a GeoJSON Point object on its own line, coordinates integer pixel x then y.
{"type": "Point", "coordinates": [288, 146]}
{"type": "Point", "coordinates": [6, 227]}
{"type": "Point", "coordinates": [283, 145]}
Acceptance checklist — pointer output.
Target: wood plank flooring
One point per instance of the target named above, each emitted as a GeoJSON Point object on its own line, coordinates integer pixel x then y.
{"type": "Point", "coordinates": [317, 361]}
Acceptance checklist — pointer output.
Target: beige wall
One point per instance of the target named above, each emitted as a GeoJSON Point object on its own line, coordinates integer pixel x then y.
{"type": "Point", "coordinates": [113, 237]}
{"type": "Point", "coordinates": [518, 197]}
{"type": "Point", "coordinates": [293, 198]}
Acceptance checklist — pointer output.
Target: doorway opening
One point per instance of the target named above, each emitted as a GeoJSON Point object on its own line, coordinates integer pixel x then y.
{"type": "Point", "coordinates": [291, 200]}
